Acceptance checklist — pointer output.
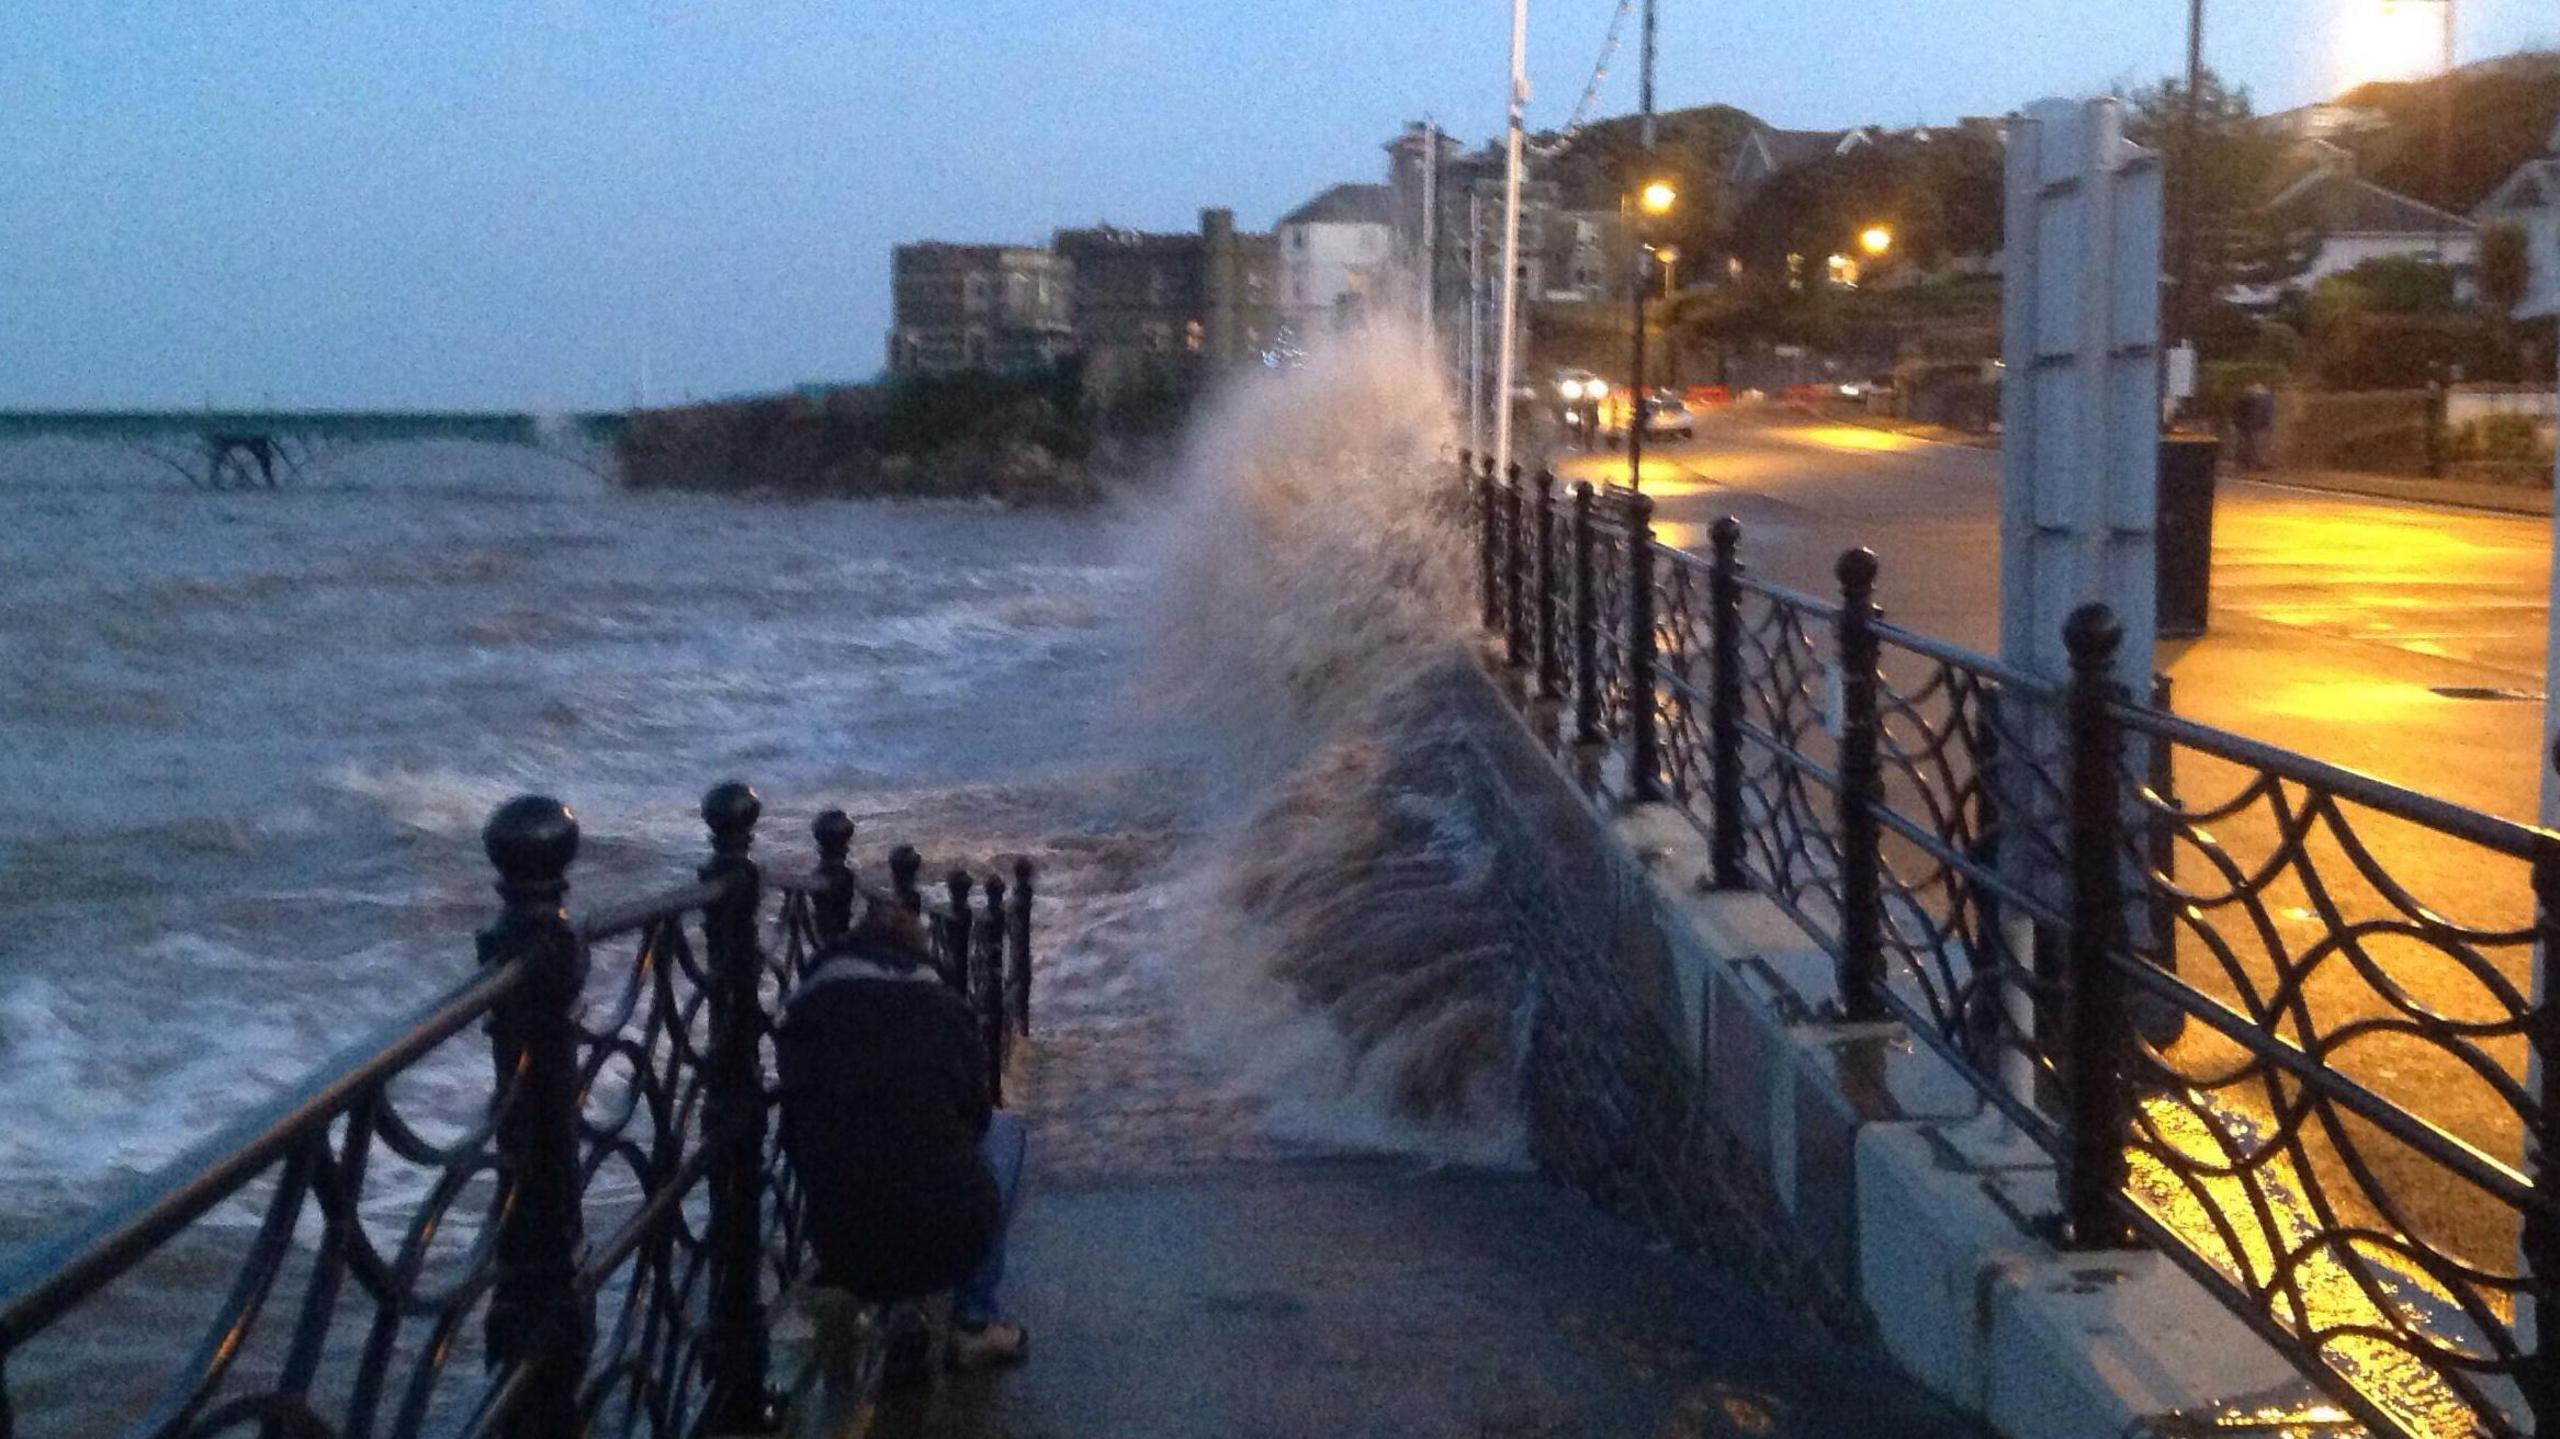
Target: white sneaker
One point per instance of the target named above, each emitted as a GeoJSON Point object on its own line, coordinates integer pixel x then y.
{"type": "Point", "coordinates": [988, 1346]}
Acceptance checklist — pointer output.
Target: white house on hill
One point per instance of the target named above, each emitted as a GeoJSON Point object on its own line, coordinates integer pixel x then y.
{"type": "Point", "coordinates": [2530, 200]}
{"type": "Point", "coordinates": [2359, 220]}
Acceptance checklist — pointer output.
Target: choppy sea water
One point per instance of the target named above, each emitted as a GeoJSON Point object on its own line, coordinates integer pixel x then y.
{"type": "Point", "coordinates": [247, 741]}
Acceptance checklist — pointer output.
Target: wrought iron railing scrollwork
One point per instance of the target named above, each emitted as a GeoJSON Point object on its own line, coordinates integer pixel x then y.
{"type": "Point", "coordinates": [587, 1226]}
{"type": "Point", "coordinates": [2221, 983]}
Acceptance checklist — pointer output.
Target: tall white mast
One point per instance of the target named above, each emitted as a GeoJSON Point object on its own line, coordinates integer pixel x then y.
{"type": "Point", "coordinates": [1506, 344]}
{"type": "Point", "coordinates": [1475, 323]}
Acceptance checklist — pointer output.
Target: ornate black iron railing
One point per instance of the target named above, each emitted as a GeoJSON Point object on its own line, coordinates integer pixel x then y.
{"type": "Point", "coordinates": [2223, 984]}
{"type": "Point", "coordinates": [582, 1225]}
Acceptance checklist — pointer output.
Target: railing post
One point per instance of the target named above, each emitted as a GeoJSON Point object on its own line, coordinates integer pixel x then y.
{"type": "Point", "coordinates": [831, 899]}
{"type": "Point", "coordinates": [537, 1318]}
{"type": "Point", "coordinates": [1514, 572]}
{"type": "Point", "coordinates": [733, 1118]}
{"type": "Point", "coordinates": [955, 931]}
{"type": "Point", "coordinates": [1644, 748]}
{"type": "Point", "coordinates": [986, 961]}
{"type": "Point", "coordinates": [904, 867]}
{"type": "Point", "coordinates": [1586, 624]}
{"type": "Point", "coordinates": [1018, 947]}
{"type": "Point", "coordinates": [2098, 1032]}
{"type": "Point", "coordinates": [1861, 794]}
{"type": "Point", "coordinates": [2538, 1372]}
{"type": "Point", "coordinates": [1550, 661]}
{"type": "Point", "coordinates": [1489, 546]}
{"type": "Point", "coordinates": [1724, 700]}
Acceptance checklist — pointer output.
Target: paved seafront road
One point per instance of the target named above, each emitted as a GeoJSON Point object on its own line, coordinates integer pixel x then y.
{"type": "Point", "coordinates": [2335, 618]}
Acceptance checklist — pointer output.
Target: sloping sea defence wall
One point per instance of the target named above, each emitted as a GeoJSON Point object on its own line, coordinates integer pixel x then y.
{"type": "Point", "coordinates": [1680, 1071]}
{"type": "Point", "coordinates": [965, 437]}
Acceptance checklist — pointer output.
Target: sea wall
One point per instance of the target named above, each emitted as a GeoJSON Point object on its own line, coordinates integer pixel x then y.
{"type": "Point", "coordinates": [1683, 1069]}
{"type": "Point", "coordinates": [1019, 440]}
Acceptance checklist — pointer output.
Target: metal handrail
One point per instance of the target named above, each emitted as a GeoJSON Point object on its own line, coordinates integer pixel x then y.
{"type": "Point", "coordinates": [51, 1276]}
{"type": "Point", "coordinates": [1980, 756]}
{"type": "Point", "coordinates": [2489, 831]}
{"type": "Point", "coordinates": [703, 1128]}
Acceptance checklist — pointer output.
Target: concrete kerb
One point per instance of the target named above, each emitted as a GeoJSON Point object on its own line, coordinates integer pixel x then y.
{"type": "Point", "coordinates": [1908, 1197]}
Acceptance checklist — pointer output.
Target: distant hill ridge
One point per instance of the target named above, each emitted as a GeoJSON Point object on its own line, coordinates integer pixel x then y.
{"type": "Point", "coordinates": [2504, 112]}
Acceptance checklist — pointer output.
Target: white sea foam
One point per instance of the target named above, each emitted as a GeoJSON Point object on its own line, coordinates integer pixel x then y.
{"type": "Point", "coordinates": [1334, 933]}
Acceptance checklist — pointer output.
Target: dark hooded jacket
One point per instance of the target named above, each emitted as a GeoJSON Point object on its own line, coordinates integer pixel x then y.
{"type": "Point", "coordinates": [884, 1099]}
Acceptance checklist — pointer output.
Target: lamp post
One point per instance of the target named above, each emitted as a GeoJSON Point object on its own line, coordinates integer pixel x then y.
{"type": "Point", "coordinates": [1653, 202]}
{"type": "Point", "coordinates": [1875, 242]}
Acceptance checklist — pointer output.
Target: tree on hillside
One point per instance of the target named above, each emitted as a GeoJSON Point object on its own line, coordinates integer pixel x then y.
{"type": "Point", "coordinates": [2232, 174]}
{"type": "Point", "coordinates": [2396, 323]}
{"type": "Point", "coordinates": [1693, 148]}
{"type": "Point", "coordinates": [1754, 310]}
{"type": "Point", "coordinates": [2506, 268]}
{"type": "Point", "coordinates": [1940, 197]}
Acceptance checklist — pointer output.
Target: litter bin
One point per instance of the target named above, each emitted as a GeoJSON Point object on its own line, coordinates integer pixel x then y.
{"type": "Point", "coordinates": [2185, 537]}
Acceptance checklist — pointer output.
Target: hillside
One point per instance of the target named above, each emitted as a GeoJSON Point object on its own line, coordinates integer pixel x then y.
{"type": "Point", "coordinates": [1696, 145]}
{"type": "Point", "coordinates": [2503, 113]}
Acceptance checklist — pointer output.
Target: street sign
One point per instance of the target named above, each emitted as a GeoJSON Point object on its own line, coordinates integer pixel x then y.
{"type": "Point", "coordinates": [2080, 411]}
{"type": "Point", "coordinates": [2182, 372]}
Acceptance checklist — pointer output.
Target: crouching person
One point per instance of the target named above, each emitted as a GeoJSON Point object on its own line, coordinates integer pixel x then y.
{"type": "Point", "coordinates": [908, 1177]}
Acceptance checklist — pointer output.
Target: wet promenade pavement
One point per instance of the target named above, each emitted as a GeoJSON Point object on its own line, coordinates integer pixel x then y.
{"type": "Point", "coordinates": [1378, 1298]}
{"type": "Point", "coordinates": [1181, 1284]}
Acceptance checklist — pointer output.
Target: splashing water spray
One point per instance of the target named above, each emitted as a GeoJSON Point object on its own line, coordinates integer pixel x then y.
{"type": "Point", "coordinates": [1348, 935]}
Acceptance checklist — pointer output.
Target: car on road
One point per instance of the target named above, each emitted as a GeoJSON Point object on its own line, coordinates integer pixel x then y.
{"type": "Point", "coordinates": [1577, 395]}
{"type": "Point", "coordinates": [1666, 417]}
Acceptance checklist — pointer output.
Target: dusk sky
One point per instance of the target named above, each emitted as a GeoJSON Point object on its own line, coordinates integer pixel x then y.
{"type": "Point", "coordinates": [511, 202]}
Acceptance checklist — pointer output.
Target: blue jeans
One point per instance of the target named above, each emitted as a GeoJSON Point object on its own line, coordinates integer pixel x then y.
{"type": "Point", "coordinates": [974, 1305]}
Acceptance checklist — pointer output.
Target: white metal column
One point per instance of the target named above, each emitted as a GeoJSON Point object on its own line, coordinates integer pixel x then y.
{"type": "Point", "coordinates": [2080, 404]}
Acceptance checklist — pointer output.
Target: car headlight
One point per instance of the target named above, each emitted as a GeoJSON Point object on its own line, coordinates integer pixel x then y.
{"type": "Point", "coordinates": [1598, 389]}
{"type": "Point", "coordinates": [1572, 389]}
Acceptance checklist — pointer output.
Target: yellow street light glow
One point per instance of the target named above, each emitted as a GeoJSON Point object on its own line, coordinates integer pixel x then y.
{"type": "Point", "coordinates": [1658, 198]}
{"type": "Point", "coordinates": [1875, 239]}
{"type": "Point", "coordinates": [2390, 40]}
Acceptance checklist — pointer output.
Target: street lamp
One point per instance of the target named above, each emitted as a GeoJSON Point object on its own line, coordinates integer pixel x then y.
{"type": "Point", "coordinates": [1654, 201]}
{"type": "Point", "coordinates": [1876, 240]}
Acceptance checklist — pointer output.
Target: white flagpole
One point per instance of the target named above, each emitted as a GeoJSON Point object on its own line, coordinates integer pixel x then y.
{"type": "Point", "coordinates": [1507, 344]}
{"type": "Point", "coordinates": [1475, 324]}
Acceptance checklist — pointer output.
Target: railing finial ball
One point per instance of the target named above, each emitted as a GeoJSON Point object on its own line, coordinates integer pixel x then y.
{"type": "Point", "coordinates": [2091, 634]}
{"type": "Point", "coordinates": [1857, 569]}
{"type": "Point", "coordinates": [731, 810]}
{"type": "Point", "coordinates": [531, 839]}
{"type": "Point", "coordinates": [1726, 532]}
{"type": "Point", "coordinates": [833, 830]}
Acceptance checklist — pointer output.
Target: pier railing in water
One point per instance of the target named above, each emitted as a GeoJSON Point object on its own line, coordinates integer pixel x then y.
{"type": "Point", "coordinates": [2249, 1029]}
{"type": "Point", "coordinates": [581, 1224]}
